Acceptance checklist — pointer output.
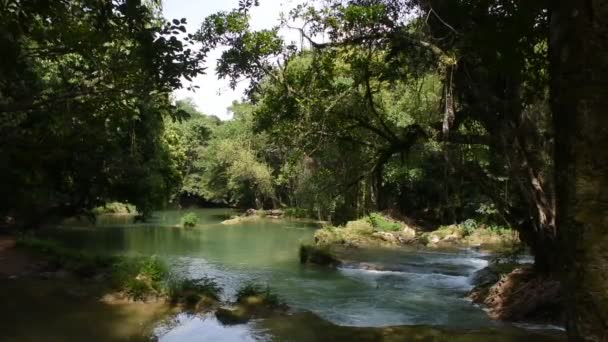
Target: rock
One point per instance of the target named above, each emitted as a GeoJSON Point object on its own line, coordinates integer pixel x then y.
{"type": "Point", "coordinates": [232, 316]}
{"type": "Point", "coordinates": [485, 276]}
{"type": "Point", "coordinates": [408, 233]}
{"type": "Point", "coordinates": [317, 255]}
{"type": "Point", "coordinates": [385, 236]}
{"type": "Point", "coordinates": [251, 212]}
{"type": "Point", "coordinates": [275, 212]}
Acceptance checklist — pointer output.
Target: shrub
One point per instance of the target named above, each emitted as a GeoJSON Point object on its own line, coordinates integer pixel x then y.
{"type": "Point", "coordinates": [468, 227]}
{"type": "Point", "coordinates": [140, 277]}
{"type": "Point", "coordinates": [252, 290]}
{"type": "Point", "coordinates": [137, 289]}
{"type": "Point", "coordinates": [189, 220]}
{"type": "Point", "coordinates": [382, 223]}
{"type": "Point", "coordinates": [295, 213]}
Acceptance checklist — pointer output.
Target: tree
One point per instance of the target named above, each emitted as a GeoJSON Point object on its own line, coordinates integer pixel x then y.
{"type": "Point", "coordinates": [231, 168]}
{"type": "Point", "coordinates": [579, 68]}
{"type": "Point", "coordinates": [84, 88]}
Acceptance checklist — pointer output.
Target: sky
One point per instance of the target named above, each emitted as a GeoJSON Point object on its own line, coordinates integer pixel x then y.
{"type": "Point", "coordinates": [215, 96]}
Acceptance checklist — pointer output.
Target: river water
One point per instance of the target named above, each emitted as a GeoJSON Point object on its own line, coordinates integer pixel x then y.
{"type": "Point", "coordinates": [422, 291]}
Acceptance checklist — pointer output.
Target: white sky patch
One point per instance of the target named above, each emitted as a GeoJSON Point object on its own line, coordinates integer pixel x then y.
{"type": "Point", "coordinates": [214, 95]}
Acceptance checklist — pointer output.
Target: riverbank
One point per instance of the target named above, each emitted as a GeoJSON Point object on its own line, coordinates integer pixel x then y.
{"type": "Point", "coordinates": [516, 293]}
{"type": "Point", "coordinates": [254, 215]}
{"type": "Point", "coordinates": [381, 230]}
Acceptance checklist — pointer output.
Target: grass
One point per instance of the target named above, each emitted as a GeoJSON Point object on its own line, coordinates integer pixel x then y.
{"type": "Point", "coordinates": [382, 223]}
{"type": "Point", "coordinates": [60, 257]}
{"type": "Point", "coordinates": [192, 291]}
{"type": "Point", "coordinates": [140, 277]}
{"type": "Point", "coordinates": [189, 220]}
{"type": "Point", "coordinates": [252, 293]}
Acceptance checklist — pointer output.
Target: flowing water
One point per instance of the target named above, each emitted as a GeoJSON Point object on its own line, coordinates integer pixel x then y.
{"type": "Point", "coordinates": [421, 291]}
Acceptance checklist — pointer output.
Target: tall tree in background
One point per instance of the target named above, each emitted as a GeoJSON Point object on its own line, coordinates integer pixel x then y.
{"type": "Point", "coordinates": [579, 61]}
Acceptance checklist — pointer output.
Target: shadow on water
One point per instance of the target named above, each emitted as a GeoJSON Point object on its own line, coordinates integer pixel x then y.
{"type": "Point", "coordinates": [51, 310]}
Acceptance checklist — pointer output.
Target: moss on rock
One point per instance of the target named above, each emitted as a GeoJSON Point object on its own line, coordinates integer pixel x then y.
{"type": "Point", "coordinates": [317, 254]}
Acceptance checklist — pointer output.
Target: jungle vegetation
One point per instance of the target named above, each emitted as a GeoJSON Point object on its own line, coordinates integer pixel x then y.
{"type": "Point", "coordinates": [435, 109]}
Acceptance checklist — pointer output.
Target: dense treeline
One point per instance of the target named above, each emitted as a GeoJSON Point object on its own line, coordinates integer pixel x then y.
{"type": "Point", "coordinates": [84, 88]}
{"type": "Point", "coordinates": [440, 110]}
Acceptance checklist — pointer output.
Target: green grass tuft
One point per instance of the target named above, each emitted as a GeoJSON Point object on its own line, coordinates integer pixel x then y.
{"type": "Point", "coordinates": [383, 223]}
{"type": "Point", "coordinates": [191, 291]}
{"type": "Point", "coordinates": [256, 291]}
{"type": "Point", "coordinates": [189, 220]}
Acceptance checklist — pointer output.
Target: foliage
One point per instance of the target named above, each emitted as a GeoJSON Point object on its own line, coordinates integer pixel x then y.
{"type": "Point", "coordinates": [232, 169]}
{"type": "Point", "coordinates": [81, 263]}
{"type": "Point", "coordinates": [468, 226]}
{"type": "Point", "coordinates": [140, 277]}
{"type": "Point", "coordinates": [84, 89]}
{"type": "Point", "coordinates": [295, 213]}
{"type": "Point", "coordinates": [383, 223]}
{"type": "Point", "coordinates": [189, 220]}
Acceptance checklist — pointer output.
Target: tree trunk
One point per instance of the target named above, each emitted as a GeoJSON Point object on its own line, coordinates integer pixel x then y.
{"type": "Point", "coordinates": [579, 70]}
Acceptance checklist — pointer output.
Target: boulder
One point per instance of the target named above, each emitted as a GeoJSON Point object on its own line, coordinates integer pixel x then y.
{"type": "Point", "coordinates": [485, 276]}
{"type": "Point", "coordinates": [385, 236]}
{"type": "Point", "coordinates": [408, 233]}
{"type": "Point", "coordinates": [275, 212]}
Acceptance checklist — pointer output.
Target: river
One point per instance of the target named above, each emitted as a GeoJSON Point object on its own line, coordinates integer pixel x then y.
{"type": "Point", "coordinates": [418, 294]}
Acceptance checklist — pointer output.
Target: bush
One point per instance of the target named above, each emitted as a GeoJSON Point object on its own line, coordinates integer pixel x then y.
{"type": "Point", "coordinates": [189, 220]}
{"type": "Point", "coordinates": [295, 213]}
{"type": "Point", "coordinates": [468, 227]}
{"type": "Point", "coordinates": [140, 277]}
{"type": "Point", "coordinates": [264, 294]}
{"type": "Point", "coordinates": [382, 223]}
{"type": "Point", "coordinates": [137, 289]}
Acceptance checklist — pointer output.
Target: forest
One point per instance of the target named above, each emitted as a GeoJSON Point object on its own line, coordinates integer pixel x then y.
{"type": "Point", "coordinates": [429, 114]}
